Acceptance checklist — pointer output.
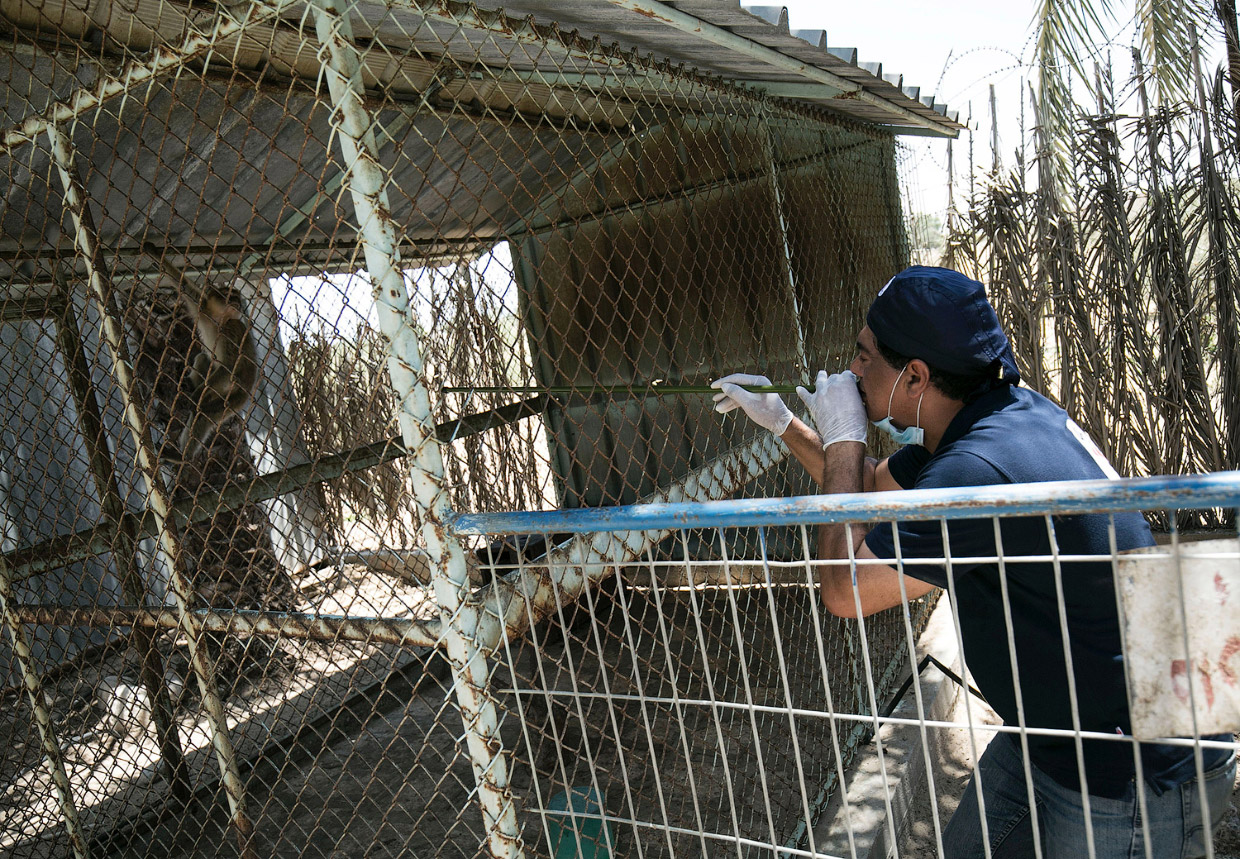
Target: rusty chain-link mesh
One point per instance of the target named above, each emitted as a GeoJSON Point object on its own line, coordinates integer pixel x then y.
{"type": "Point", "coordinates": [245, 250]}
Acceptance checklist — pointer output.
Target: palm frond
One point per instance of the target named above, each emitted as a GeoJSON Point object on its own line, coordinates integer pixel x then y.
{"type": "Point", "coordinates": [1166, 28]}
{"type": "Point", "coordinates": [1117, 274]}
{"type": "Point", "coordinates": [1065, 33]}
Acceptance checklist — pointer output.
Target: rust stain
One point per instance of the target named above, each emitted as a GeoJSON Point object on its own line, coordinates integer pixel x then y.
{"type": "Point", "coordinates": [1179, 679]}
{"type": "Point", "coordinates": [1229, 651]}
{"type": "Point", "coordinates": [1179, 682]}
{"type": "Point", "coordinates": [1207, 685]}
{"type": "Point", "coordinates": [653, 15]}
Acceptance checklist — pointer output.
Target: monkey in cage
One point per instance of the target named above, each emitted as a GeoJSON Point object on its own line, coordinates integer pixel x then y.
{"type": "Point", "coordinates": [222, 377]}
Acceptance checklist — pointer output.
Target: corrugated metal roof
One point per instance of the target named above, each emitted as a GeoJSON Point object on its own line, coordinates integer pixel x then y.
{"type": "Point", "coordinates": [746, 45]}
{"type": "Point", "coordinates": [236, 157]}
{"type": "Point", "coordinates": [653, 27]}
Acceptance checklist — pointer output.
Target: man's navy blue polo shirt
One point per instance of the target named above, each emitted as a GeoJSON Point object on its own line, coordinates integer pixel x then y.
{"type": "Point", "coordinates": [1013, 435]}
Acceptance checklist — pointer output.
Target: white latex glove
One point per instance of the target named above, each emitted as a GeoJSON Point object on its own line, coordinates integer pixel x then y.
{"type": "Point", "coordinates": [836, 408]}
{"type": "Point", "coordinates": [766, 410]}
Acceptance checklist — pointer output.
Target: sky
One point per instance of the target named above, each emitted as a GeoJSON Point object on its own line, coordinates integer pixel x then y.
{"type": "Point", "coordinates": [955, 50]}
{"type": "Point", "coordinates": [952, 49]}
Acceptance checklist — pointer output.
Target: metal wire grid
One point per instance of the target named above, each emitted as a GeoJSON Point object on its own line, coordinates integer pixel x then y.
{"type": "Point", "coordinates": [676, 705]}
{"type": "Point", "coordinates": [655, 714]}
{"type": "Point", "coordinates": [200, 656]}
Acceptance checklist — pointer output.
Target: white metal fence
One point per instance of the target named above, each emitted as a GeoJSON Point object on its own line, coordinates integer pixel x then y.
{"type": "Point", "coordinates": [638, 710]}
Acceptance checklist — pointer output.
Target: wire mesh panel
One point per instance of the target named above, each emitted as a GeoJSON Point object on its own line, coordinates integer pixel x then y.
{"type": "Point", "coordinates": [284, 283]}
{"type": "Point", "coordinates": [693, 712]}
{"type": "Point", "coordinates": [696, 707]}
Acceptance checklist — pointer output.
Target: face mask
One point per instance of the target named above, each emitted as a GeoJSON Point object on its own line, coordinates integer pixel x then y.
{"type": "Point", "coordinates": [908, 435]}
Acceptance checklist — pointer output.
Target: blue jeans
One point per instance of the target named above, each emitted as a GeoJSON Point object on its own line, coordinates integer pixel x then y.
{"type": "Point", "coordinates": [1176, 827]}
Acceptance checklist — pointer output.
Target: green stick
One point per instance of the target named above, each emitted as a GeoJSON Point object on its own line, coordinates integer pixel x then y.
{"type": "Point", "coordinates": [652, 389]}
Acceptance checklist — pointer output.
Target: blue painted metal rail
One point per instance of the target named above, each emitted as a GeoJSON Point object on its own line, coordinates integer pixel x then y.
{"type": "Point", "coordinates": [1221, 490]}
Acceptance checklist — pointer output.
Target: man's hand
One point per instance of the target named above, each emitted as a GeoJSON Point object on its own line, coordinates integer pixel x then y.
{"type": "Point", "coordinates": [836, 408]}
{"type": "Point", "coordinates": [766, 410]}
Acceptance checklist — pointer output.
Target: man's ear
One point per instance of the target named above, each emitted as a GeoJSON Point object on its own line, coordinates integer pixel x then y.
{"type": "Point", "coordinates": [917, 377]}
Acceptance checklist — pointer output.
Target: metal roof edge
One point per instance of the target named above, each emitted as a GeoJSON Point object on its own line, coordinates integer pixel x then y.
{"type": "Point", "coordinates": [842, 61]}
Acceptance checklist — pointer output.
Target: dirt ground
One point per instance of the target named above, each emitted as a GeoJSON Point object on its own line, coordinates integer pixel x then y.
{"type": "Point", "coordinates": [346, 787]}
{"type": "Point", "coordinates": [389, 776]}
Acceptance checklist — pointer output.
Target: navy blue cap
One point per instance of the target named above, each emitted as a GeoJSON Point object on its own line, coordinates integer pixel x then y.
{"type": "Point", "coordinates": [943, 318]}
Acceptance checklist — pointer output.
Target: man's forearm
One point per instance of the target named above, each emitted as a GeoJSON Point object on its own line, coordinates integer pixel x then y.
{"type": "Point", "coordinates": [806, 446]}
{"type": "Point", "coordinates": [844, 469]}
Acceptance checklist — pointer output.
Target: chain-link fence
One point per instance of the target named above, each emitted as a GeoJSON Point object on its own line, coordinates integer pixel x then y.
{"type": "Point", "coordinates": [284, 283]}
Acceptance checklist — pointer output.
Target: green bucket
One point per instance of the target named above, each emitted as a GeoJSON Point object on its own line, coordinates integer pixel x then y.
{"type": "Point", "coordinates": [576, 825]}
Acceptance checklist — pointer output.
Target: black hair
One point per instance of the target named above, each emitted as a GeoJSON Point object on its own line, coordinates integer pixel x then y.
{"type": "Point", "coordinates": [955, 386]}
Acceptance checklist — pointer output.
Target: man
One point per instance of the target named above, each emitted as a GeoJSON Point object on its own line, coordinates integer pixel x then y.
{"type": "Point", "coordinates": [934, 370]}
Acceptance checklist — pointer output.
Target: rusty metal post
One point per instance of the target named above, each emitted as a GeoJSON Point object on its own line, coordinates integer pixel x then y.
{"type": "Point", "coordinates": [133, 589]}
{"type": "Point", "coordinates": [401, 631]}
{"type": "Point", "coordinates": [461, 613]}
{"type": "Point", "coordinates": [42, 716]}
{"type": "Point", "coordinates": [158, 498]}
{"type": "Point", "coordinates": [66, 549]}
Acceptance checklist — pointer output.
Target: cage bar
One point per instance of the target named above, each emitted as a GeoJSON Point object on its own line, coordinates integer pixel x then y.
{"type": "Point", "coordinates": [459, 614]}
{"type": "Point", "coordinates": [33, 686]}
{"type": "Point", "coordinates": [160, 504]}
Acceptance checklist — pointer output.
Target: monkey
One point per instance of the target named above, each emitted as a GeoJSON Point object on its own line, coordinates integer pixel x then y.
{"type": "Point", "coordinates": [223, 374]}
